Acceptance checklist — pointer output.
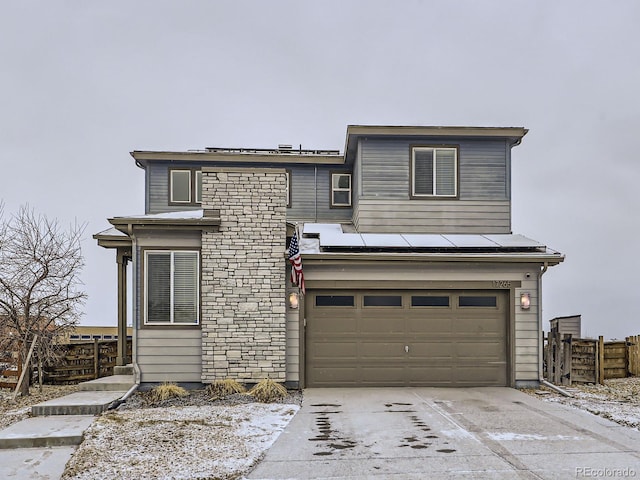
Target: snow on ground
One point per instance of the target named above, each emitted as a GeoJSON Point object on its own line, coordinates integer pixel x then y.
{"type": "Point", "coordinates": [191, 442]}
{"type": "Point", "coordinates": [14, 410]}
{"type": "Point", "coordinates": [617, 400]}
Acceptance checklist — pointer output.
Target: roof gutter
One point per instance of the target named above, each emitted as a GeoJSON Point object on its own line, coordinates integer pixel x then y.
{"type": "Point", "coordinates": [328, 257]}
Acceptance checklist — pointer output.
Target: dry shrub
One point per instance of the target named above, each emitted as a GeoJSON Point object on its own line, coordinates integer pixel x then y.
{"type": "Point", "coordinates": [223, 388]}
{"type": "Point", "coordinates": [166, 391]}
{"type": "Point", "coordinates": [267, 391]}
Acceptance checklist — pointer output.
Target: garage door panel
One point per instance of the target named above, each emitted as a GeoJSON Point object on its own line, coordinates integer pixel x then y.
{"type": "Point", "coordinates": [480, 350]}
{"type": "Point", "coordinates": [432, 325]}
{"type": "Point", "coordinates": [333, 376]}
{"type": "Point", "coordinates": [436, 375]}
{"type": "Point", "coordinates": [448, 345]}
{"type": "Point", "coordinates": [381, 324]}
{"type": "Point", "coordinates": [430, 350]}
{"type": "Point", "coordinates": [474, 375]}
{"type": "Point", "coordinates": [388, 375]}
{"type": "Point", "coordinates": [335, 324]}
{"type": "Point", "coordinates": [390, 351]}
{"type": "Point", "coordinates": [326, 350]}
{"type": "Point", "coordinates": [477, 325]}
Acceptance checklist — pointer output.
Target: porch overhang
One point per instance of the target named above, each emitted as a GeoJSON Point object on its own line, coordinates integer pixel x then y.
{"type": "Point", "coordinates": [203, 220]}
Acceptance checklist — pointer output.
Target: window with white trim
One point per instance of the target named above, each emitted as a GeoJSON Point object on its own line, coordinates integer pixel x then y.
{"type": "Point", "coordinates": [172, 287]}
{"type": "Point", "coordinates": [434, 172]}
{"type": "Point", "coordinates": [185, 186]}
{"type": "Point", "coordinates": [340, 189]}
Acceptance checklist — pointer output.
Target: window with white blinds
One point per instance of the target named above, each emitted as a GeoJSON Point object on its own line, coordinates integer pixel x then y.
{"type": "Point", "coordinates": [172, 287]}
{"type": "Point", "coordinates": [434, 172]}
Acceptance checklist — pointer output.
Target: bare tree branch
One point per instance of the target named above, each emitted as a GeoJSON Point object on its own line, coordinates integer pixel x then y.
{"type": "Point", "coordinates": [40, 265]}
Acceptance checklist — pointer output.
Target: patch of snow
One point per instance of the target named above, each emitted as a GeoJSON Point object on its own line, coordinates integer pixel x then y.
{"type": "Point", "coordinates": [178, 442]}
{"type": "Point", "coordinates": [506, 436]}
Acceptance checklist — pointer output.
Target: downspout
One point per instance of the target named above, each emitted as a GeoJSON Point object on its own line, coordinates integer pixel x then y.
{"type": "Point", "coordinates": [134, 322]}
{"type": "Point", "coordinates": [315, 193]}
{"type": "Point", "coordinates": [542, 381]}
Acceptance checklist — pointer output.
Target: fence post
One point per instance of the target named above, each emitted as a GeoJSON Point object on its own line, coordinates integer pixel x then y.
{"type": "Point", "coordinates": [636, 350]}
{"type": "Point", "coordinates": [96, 358]}
{"type": "Point", "coordinates": [601, 360]}
{"type": "Point", "coordinates": [596, 361]}
{"type": "Point", "coordinates": [567, 359]}
{"type": "Point", "coordinates": [633, 355]}
{"type": "Point", "coordinates": [557, 358]}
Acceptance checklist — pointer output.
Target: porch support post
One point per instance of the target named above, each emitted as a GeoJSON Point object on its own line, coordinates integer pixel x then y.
{"type": "Point", "coordinates": [123, 256]}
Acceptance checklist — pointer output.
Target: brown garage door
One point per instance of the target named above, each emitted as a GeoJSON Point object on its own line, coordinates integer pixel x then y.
{"type": "Point", "coordinates": [406, 338]}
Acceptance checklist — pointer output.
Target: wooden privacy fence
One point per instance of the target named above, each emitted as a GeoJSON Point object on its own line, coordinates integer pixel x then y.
{"type": "Point", "coordinates": [570, 360]}
{"type": "Point", "coordinates": [78, 362]}
{"type": "Point", "coordinates": [10, 370]}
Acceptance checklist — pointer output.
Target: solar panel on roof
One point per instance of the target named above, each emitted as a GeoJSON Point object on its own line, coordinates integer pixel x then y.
{"type": "Point", "coordinates": [470, 241]}
{"type": "Point", "coordinates": [379, 240]}
{"type": "Point", "coordinates": [426, 240]}
{"type": "Point", "coordinates": [514, 241]}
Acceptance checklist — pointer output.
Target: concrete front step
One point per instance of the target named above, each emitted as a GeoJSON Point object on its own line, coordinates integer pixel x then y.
{"type": "Point", "coordinates": [117, 383]}
{"type": "Point", "coordinates": [123, 370]}
{"type": "Point", "coordinates": [79, 403]}
{"type": "Point", "coordinates": [37, 432]}
{"type": "Point", "coordinates": [46, 463]}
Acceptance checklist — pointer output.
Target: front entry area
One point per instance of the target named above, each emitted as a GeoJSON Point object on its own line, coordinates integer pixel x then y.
{"type": "Point", "coordinates": [448, 338]}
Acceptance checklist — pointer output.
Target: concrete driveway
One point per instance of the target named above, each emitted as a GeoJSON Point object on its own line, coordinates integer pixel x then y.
{"type": "Point", "coordinates": [494, 433]}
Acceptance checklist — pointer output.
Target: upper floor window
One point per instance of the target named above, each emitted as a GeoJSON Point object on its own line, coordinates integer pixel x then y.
{"type": "Point", "coordinates": [172, 282]}
{"type": "Point", "coordinates": [434, 172]}
{"type": "Point", "coordinates": [340, 189]}
{"type": "Point", "coordinates": [185, 186]}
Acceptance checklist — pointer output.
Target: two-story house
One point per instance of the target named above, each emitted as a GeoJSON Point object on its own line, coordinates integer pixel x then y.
{"type": "Point", "coordinates": [412, 273]}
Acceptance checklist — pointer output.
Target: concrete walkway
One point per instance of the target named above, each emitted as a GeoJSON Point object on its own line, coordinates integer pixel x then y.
{"type": "Point", "coordinates": [470, 433]}
{"type": "Point", "coordinates": [39, 447]}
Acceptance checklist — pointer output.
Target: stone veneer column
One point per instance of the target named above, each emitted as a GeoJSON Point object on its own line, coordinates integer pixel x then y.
{"type": "Point", "coordinates": [243, 275]}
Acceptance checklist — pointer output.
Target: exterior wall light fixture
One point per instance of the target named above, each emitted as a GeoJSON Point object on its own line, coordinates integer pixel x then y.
{"type": "Point", "coordinates": [525, 300]}
{"type": "Point", "coordinates": [294, 300]}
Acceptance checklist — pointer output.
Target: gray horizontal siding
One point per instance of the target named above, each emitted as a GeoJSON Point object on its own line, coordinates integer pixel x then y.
{"type": "Point", "coordinates": [483, 167]}
{"type": "Point", "coordinates": [307, 204]}
{"type": "Point", "coordinates": [157, 190]}
{"type": "Point", "coordinates": [437, 216]}
{"type": "Point", "coordinates": [169, 355]}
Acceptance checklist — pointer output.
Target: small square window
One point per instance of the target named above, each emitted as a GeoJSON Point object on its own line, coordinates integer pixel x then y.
{"type": "Point", "coordinates": [185, 186]}
{"type": "Point", "coordinates": [340, 189]}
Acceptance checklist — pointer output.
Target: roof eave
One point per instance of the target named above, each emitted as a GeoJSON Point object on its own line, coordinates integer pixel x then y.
{"type": "Point", "coordinates": [540, 258]}
{"type": "Point", "coordinates": [357, 131]}
{"type": "Point", "coordinates": [128, 225]}
{"type": "Point", "coordinates": [142, 158]}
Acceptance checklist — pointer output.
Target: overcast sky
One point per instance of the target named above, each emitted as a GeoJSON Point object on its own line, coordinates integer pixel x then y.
{"type": "Point", "coordinates": [84, 83]}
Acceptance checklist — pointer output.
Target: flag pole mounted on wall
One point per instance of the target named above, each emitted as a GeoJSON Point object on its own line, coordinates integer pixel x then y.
{"type": "Point", "coordinates": [297, 277]}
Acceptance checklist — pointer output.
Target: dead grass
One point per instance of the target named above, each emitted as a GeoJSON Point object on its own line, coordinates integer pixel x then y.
{"type": "Point", "coordinates": [224, 388]}
{"type": "Point", "coordinates": [167, 391]}
{"type": "Point", "coordinates": [267, 391]}
{"type": "Point", "coordinates": [13, 411]}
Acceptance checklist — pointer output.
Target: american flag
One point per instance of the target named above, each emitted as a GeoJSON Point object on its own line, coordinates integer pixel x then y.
{"type": "Point", "coordinates": [297, 277]}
